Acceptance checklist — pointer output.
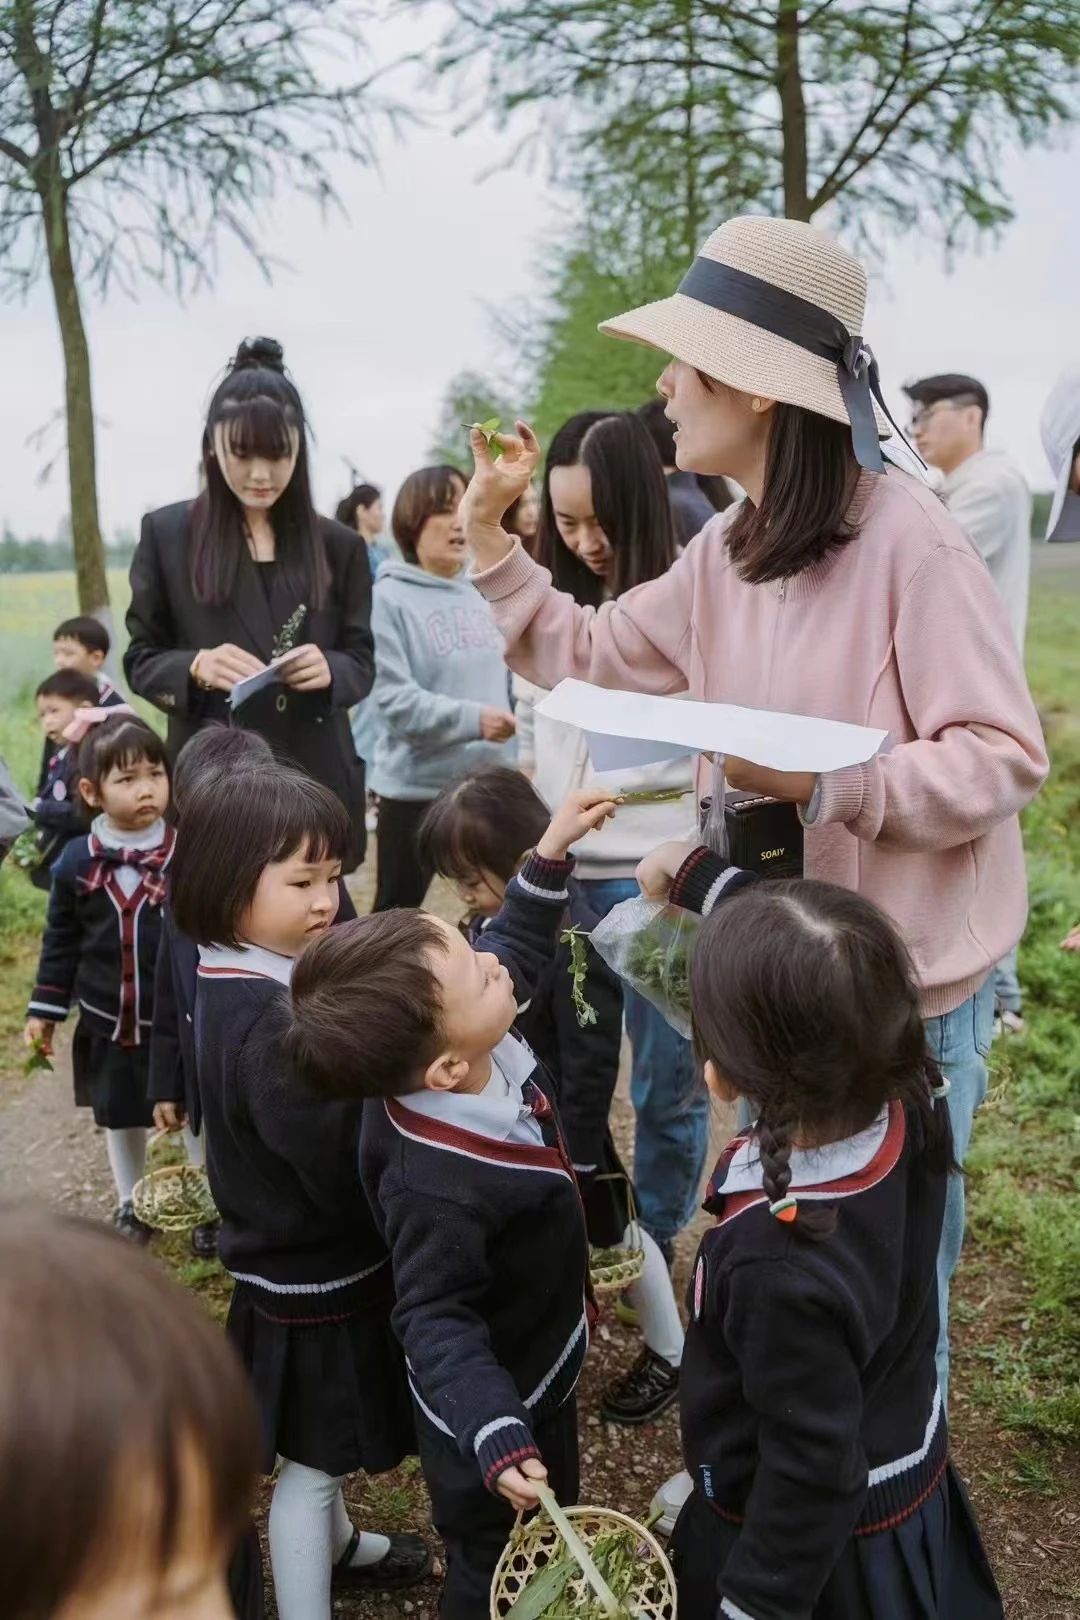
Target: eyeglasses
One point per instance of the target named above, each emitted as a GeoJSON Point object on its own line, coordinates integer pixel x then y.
{"type": "Point", "coordinates": [923, 413]}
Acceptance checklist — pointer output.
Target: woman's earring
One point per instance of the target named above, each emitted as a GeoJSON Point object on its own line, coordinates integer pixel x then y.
{"type": "Point", "coordinates": [755, 405]}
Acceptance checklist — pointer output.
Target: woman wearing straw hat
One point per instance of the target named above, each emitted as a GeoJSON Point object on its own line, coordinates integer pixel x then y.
{"type": "Point", "coordinates": [832, 590]}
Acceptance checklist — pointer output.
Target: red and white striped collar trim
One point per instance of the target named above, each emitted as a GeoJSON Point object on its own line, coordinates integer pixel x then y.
{"type": "Point", "coordinates": [244, 962]}
{"type": "Point", "coordinates": [838, 1170]}
{"type": "Point", "coordinates": [437, 1133]}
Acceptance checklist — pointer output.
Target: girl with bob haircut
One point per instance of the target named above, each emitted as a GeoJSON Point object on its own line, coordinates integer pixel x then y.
{"type": "Point", "coordinates": [606, 530]}
{"type": "Point", "coordinates": [127, 1458]}
{"type": "Point", "coordinates": [221, 584]}
{"type": "Point", "coordinates": [259, 856]}
{"type": "Point", "coordinates": [101, 939]}
{"type": "Point", "coordinates": [442, 696]}
{"type": "Point", "coordinates": [813, 1423]}
{"type": "Point", "coordinates": [839, 588]}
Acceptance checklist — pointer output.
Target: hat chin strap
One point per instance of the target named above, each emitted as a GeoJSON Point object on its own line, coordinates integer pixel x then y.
{"type": "Point", "coordinates": [812, 328]}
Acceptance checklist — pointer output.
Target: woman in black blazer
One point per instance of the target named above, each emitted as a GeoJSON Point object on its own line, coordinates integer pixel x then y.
{"type": "Point", "coordinates": [215, 582]}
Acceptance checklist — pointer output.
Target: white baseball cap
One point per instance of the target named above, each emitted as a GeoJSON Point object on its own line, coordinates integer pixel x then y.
{"type": "Point", "coordinates": [1060, 429]}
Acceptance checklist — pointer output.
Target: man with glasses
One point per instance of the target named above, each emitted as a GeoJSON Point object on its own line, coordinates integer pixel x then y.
{"type": "Point", "coordinates": [986, 493]}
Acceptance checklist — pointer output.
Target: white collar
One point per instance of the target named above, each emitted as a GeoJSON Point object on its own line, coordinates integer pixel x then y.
{"type": "Point", "coordinates": [492, 1112]}
{"type": "Point", "coordinates": [113, 837]}
{"type": "Point", "coordinates": [247, 961]}
{"type": "Point", "coordinates": [810, 1167]}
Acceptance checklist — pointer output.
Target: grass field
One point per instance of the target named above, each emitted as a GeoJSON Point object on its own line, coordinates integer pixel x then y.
{"type": "Point", "coordinates": [1015, 1408]}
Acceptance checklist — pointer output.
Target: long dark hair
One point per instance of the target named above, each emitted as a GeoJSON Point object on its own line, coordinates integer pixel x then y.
{"type": "Point", "coordinates": [629, 499]}
{"type": "Point", "coordinates": [810, 477]}
{"type": "Point", "coordinates": [259, 409]}
{"type": "Point", "coordinates": [804, 998]}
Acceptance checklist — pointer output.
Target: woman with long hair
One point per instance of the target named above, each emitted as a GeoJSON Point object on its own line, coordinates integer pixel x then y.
{"type": "Point", "coordinates": [223, 584]}
{"type": "Point", "coordinates": [838, 588]}
{"type": "Point", "coordinates": [605, 529]}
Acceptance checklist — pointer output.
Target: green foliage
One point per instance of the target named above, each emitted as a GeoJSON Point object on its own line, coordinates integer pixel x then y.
{"type": "Point", "coordinates": [469, 398]}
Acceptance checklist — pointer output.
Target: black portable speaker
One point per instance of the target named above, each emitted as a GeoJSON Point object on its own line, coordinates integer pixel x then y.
{"type": "Point", "coordinates": [764, 835]}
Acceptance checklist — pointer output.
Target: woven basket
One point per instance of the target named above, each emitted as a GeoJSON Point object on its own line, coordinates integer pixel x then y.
{"type": "Point", "coordinates": [551, 1533]}
{"type": "Point", "coordinates": [613, 1274]}
{"type": "Point", "coordinates": [172, 1197]}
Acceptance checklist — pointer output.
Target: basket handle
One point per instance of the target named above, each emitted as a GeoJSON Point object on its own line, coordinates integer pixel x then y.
{"type": "Point", "coordinates": [577, 1547]}
{"type": "Point", "coordinates": [633, 1221]}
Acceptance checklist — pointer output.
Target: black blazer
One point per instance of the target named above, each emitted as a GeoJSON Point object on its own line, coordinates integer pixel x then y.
{"type": "Point", "coordinates": [167, 627]}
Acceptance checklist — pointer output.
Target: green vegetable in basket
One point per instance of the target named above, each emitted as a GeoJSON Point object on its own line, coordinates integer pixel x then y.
{"type": "Point", "coordinates": [579, 967]}
{"type": "Point", "coordinates": [546, 1587]}
{"type": "Point", "coordinates": [660, 962]}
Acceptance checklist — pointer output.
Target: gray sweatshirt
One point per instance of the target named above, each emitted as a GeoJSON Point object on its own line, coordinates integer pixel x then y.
{"type": "Point", "coordinates": [438, 663]}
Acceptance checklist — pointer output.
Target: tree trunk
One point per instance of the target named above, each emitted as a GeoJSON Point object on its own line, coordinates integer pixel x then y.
{"type": "Point", "coordinates": [792, 112]}
{"type": "Point", "coordinates": [82, 473]}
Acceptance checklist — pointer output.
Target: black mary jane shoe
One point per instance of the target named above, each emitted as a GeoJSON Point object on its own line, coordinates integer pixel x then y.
{"type": "Point", "coordinates": [204, 1240]}
{"type": "Point", "coordinates": [128, 1224]}
{"type": "Point", "coordinates": [641, 1394]}
{"type": "Point", "coordinates": [407, 1561]}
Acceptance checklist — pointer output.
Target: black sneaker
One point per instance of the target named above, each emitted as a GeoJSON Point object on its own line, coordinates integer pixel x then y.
{"type": "Point", "coordinates": [204, 1240]}
{"type": "Point", "coordinates": [128, 1224]}
{"type": "Point", "coordinates": [642, 1393]}
{"type": "Point", "coordinates": [407, 1561]}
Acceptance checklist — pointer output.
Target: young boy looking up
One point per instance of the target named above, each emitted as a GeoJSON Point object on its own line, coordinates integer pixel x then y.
{"type": "Point", "coordinates": [470, 1182]}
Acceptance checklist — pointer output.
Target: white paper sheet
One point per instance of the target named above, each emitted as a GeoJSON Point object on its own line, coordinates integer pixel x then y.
{"type": "Point", "coordinates": [266, 677]}
{"type": "Point", "coordinates": [632, 728]}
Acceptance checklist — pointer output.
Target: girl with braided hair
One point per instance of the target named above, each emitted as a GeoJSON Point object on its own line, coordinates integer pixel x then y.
{"type": "Point", "coordinates": [813, 1424]}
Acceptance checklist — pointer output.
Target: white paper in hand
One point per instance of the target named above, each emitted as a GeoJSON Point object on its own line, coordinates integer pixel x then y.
{"type": "Point", "coordinates": [269, 676]}
{"type": "Point", "coordinates": [635, 728]}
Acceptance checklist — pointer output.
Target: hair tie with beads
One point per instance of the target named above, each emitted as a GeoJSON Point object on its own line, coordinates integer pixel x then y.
{"type": "Point", "coordinates": [785, 1209]}
{"type": "Point", "coordinates": [942, 1090]}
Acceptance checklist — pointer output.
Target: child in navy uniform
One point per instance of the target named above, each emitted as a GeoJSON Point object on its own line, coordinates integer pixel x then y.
{"type": "Point", "coordinates": [57, 809]}
{"type": "Point", "coordinates": [473, 1188]}
{"type": "Point", "coordinates": [812, 1420]}
{"type": "Point", "coordinates": [258, 859]}
{"type": "Point", "coordinates": [477, 834]}
{"type": "Point", "coordinates": [82, 644]}
{"type": "Point", "coordinates": [101, 939]}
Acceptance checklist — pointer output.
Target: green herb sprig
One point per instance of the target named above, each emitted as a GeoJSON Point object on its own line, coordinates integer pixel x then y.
{"type": "Point", "coordinates": [26, 851]}
{"type": "Point", "coordinates": [38, 1059]}
{"type": "Point", "coordinates": [652, 795]}
{"type": "Point", "coordinates": [660, 963]}
{"type": "Point", "coordinates": [579, 967]}
{"type": "Point", "coordinates": [286, 638]}
{"type": "Point", "coordinates": [489, 429]}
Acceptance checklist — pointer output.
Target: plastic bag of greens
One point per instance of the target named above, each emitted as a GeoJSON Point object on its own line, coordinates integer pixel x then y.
{"type": "Point", "coordinates": [648, 945]}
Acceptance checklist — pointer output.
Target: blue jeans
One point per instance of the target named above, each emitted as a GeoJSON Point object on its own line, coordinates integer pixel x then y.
{"type": "Point", "coordinates": [671, 1105]}
{"type": "Point", "coordinates": [960, 1042]}
{"type": "Point", "coordinates": [1007, 991]}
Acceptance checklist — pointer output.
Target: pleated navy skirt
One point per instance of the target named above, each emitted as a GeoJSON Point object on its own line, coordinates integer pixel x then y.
{"type": "Point", "coordinates": [932, 1566]}
{"type": "Point", "coordinates": [332, 1394]}
{"type": "Point", "coordinates": [111, 1079]}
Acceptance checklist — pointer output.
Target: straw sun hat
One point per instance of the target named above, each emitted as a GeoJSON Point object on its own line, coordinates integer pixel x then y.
{"type": "Point", "coordinates": [774, 307]}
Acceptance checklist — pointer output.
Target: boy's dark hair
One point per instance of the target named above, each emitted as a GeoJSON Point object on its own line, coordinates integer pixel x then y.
{"type": "Point", "coordinates": [485, 823]}
{"type": "Point", "coordinates": [115, 1386]}
{"type": "Point", "coordinates": [89, 632]}
{"type": "Point", "coordinates": [236, 825]}
{"type": "Point", "coordinates": [69, 684]}
{"type": "Point", "coordinates": [424, 494]}
{"type": "Point", "coordinates": [810, 479]}
{"type": "Point", "coordinates": [121, 741]}
{"type": "Point", "coordinates": [804, 998]}
{"type": "Point", "coordinates": [216, 750]}
{"type": "Point", "coordinates": [361, 495]}
{"type": "Point", "coordinates": [952, 385]}
{"type": "Point", "coordinates": [630, 500]}
{"type": "Point", "coordinates": [366, 1014]}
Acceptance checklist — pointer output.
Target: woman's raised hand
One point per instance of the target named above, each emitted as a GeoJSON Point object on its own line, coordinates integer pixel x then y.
{"type": "Point", "coordinates": [494, 487]}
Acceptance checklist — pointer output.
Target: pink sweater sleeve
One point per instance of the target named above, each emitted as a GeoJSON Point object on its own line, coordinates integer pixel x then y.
{"type": "Point", "coordinates": [640, 642]}
{"type": "Point", "coordinates": [979, 756]}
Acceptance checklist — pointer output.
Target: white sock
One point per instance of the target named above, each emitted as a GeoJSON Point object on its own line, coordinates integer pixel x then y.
{"type": "Point", "coordinates": [368, 1550]}
{"type": "Point", "coordinates": [653, 1297]}
{"type": "Point", "coordinates": [127, 1159]}
{"type": "Point", "coordinates": [301, 1531]}
{"type": "Point", "coordinates": [195, 1148]}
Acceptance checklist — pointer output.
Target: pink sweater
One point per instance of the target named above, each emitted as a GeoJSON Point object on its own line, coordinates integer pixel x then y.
{"type": "Point", "coordinates": [902, 629]}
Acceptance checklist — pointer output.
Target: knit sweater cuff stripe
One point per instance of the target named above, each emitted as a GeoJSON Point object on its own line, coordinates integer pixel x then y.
{"type": "Point", "coordinates": [843, 794]}
{"type": "Point", "coordinates": [702, 878]}
{"type": "Point", "coordinates": [45, 1009]}
{"type": "Point", "coordinates": [544, 879]}
{"type": "Point", "coordinates": [502, 1444]}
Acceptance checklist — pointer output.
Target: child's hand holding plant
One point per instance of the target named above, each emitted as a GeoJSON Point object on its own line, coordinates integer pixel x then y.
{"type": "Point", "coordinates": [515, 1484]}
{"type": "Point", "coordinates": [38, 1036]}
{"type": "Point", "coordinates": [578, 814]}
{"type": "Point", "coordinates": [656, 873]}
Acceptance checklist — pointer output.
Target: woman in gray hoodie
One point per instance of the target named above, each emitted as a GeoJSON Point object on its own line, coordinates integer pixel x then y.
{"type": "Point", "coordinates": [441, 686]}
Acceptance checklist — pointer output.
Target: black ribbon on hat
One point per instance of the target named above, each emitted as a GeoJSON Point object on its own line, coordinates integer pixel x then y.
{"type": "Point", "coordinates": [786, 315]}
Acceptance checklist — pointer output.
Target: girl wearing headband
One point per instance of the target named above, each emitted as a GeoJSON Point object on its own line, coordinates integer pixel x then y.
{"type": "Point", "coordinates": [838, 588]}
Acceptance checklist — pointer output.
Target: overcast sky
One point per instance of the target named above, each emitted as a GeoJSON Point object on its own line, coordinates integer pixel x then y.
{"type": "Point", "coordinates": [377, 312]}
